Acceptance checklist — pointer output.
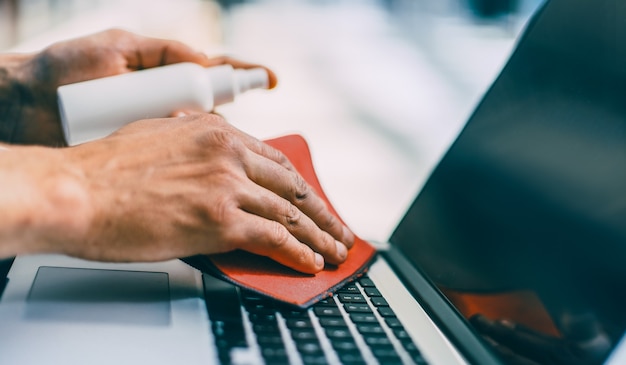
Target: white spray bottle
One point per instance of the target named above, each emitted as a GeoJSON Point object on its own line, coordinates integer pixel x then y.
{"type": "Point", "coordinates": [95, 108]}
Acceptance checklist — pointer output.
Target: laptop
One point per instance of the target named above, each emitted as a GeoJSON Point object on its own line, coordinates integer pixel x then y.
{"type": "Point", "coordinates": [530, 199]}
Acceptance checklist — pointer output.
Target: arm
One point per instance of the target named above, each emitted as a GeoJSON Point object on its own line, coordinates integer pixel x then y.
{"type": "Point", "coordinates": [40, 200]}
{"type": "Point", "coordinates": [11, 95]}
{"type": "Point", "coordinates": [162, 189]}
{"type": "Point", "coordinates": [28, 82]}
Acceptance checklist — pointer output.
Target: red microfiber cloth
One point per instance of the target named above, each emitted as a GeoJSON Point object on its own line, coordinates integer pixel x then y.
{"type": "Point", "coordinates": [267, 277]}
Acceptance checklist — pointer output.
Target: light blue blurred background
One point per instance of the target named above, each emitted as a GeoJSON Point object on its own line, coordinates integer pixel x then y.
{"type": "Point", "coordinates": [379, 88]}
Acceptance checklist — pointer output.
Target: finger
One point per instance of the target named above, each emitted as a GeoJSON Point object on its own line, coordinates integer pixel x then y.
{"type": "Point", "coordinates": [147, 52]}
{"type": "Point", "coordinates": [259, 147]}
{"type": "Point", "coordinates": [289, 185]}
{"type": "Point", "coordinates": [264, 203]}
{"type": "Point", "coordinates": [186, 112]}
{"type": "Point", "coordinates": [224, 60]}
{"type": "Point", "coordinates": [269, 238]}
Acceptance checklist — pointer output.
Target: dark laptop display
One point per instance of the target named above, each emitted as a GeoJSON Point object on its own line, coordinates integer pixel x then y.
{"type": "Point", "coordinates": [532, 195]}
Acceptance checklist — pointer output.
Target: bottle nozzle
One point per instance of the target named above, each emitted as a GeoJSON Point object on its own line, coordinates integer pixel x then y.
{"type": "Point", "coordinates": [254, 78]}
{"type": "Point", "coordinates": [228, 82]}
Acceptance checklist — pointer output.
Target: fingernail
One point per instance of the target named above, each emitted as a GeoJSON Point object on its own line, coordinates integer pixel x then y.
{"type": "Point", "coordinates": [342, 251]}
{"type": "Point", "coordinates": [180, 113]}
{"type": "Point", "coordinates": [319, 260]}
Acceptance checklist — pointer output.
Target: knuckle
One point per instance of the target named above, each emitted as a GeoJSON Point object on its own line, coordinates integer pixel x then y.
{"type": "Point", "coordinates": [328, 242]}
{"type": "Point", "coordinates": [278, 156]}
{"type": "Point", "coordinates": [221, 210]}
{"type": "Point", "coordinates": [300, 189]}
{"type": "Point", "coordinates": [219, 138]}
{"type": "Point", "coordinates": [293, 216]}
{"type": "Point", "coordinates": [279, 237]}
{"type": "Point", "coordinates": [330, 222]}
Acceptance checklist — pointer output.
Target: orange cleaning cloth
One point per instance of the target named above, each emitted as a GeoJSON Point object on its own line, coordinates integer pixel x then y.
{"type": "Point", "coordinates": [269, 278]}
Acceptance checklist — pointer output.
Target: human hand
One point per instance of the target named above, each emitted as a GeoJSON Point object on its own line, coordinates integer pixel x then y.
{"type": "Point", "coordinates": [108, 53]}
{"type": "Point", "coordinates": [176, 187]}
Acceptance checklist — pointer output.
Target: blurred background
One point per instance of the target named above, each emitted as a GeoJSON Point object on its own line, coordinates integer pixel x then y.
{"type": "Point", "coordinates": [379, 88]}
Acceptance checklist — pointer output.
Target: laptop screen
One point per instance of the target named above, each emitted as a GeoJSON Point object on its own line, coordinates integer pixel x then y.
{"type": "Point", "coordinates": [524, 218]}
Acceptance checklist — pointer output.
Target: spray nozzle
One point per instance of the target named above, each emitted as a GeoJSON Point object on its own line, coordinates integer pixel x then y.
{"type": "Point", "coordinates": [228, 82]}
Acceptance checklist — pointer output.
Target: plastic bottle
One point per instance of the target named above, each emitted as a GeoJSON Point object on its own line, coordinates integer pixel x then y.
{"type": "Point", "coordinates": [96, 108]}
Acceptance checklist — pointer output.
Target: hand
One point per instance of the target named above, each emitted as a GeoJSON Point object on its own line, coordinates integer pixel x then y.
{"type": "Point", "coordinates": [176, 187]}
{"type": "Point", "coordinates": [103, 54]}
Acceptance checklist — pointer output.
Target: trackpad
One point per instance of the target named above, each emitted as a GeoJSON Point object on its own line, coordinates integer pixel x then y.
{"type": "Point", "coordinates": [94, 295]}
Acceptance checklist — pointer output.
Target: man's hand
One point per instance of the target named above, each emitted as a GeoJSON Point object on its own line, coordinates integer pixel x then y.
{"type": "Point", "coordinates": [35, 78]}
{"type": "Point", "coordinates": [168, 188]}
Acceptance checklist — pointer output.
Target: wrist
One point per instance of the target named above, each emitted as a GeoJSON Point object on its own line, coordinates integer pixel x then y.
{"type": "Point", "coordinates": [46, 208]}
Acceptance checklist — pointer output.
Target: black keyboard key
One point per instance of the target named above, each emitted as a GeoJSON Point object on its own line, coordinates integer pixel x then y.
{"type": "Point", "coordinates": [410, 347]}
{"type": "Point", "coordinates": [344, 345]}
{"type": "Point", "coordinates": [357, 308]}
{"type": "Point", "coordinates": [393, 322]}
{"type": "Point", "coordinates": [269, 339]}
{"type": "Point", "coordinates": [248, 295]}
{"type": "Point", "coordinates": [419, 360]}
{"type": "Point", "coordinates": [372, 292]}
{"type": "Point", "coordinates": [351, 359]}
{"type": "Point", "coordinates": [314, 360]}
{"type": "Point", "coordinates": [363, 318]}
{"type": "Point", "coordinates": [274, 352]}
{"type": "Point", "coordinates": [338, 333]}
{"type": "Point", "coordinates": [386, 354]}
{"type": "Point", "coordinates": [386, 312]}
{"type": "Point", "coordinates": [371, 329]}
{"type": "Point", "coordinates": [264, 318]}
{"type": "Point", "coordinates": [299, 323]}
{"type": "Point", "coordinates": [401, 334]}
{"type": "Point", "coordinates": [333, 322]}
{"type": "Point", "coordinates": [327, 312]}
{"type": "Point", "coordinates": [366, 282]}
{"type": "Point", "coordinates": [303, 335]}
{"type": "Point", "coordinates": [377, 341]}
{"type": "Point", "coordinates": [414, 352]}
{"type": "Point", "coordinates": [294, 313]}
{"type": "Point", "coordinates": [265, 328]}
{"type": "Point", "coordinates": [260, 308]}
{"type": "Point", "coordinates": [351, 298]}
{"type": "Point", "coordinates": [309, 348]}
{"type": "Point", "coordinates": [379, 302]}
{"type": "Point", "coordinates": [326, 302]}
{"type": "Point", "coordinates": [349, 289]}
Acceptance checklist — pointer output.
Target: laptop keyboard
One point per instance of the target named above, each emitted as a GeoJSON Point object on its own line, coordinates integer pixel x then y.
{"type": "Point", "coordinates": [355, 326]}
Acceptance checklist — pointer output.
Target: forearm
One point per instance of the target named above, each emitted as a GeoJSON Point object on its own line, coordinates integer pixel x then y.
{"type": "Point", "coordinates": [11, 92]}
{"type": "Point", "coordinates": [28, 110]}
{"type": "Point", "coordinates": [43, 207]}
